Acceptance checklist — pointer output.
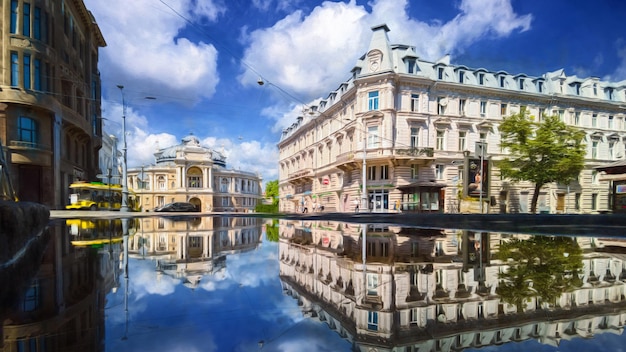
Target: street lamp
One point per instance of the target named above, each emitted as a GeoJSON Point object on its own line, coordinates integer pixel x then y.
{"type": "Point", "coordinates": [124, 206]}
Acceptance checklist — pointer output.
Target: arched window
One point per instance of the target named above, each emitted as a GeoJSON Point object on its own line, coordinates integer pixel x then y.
{"type": "Point", "coordinates": [161, 182]}
{"type": "Point", "coordinates": [194, 178]}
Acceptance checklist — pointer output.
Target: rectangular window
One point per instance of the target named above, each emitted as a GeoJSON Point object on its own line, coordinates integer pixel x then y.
{"type": "Point", "coordinates": [26, 20]}
{"type": "Point", "coordinates": [415, 171]}
{"type": "Point", "coordinates": [415, 139]}
{"type": "Point", "coordinates": [27, 130]}
{"type": "Point", "coordinates": [483, 108]}
{"type": "Point", "coordinates": [195, 181]}
{"type": "Point", "coordinates": [441, 105]}
{"type": "Point", "coordinates": [462, 103]}
{"type": "Point", "coordinates": [440, 139]}
{"type": "Point", "coordinates": [503, 109]}
{"type": "Point", "coordinates": [415, 102]}
{"type": "Point", "coordinates": [13, 24]}
{"type": "Point", "coordinates": [37, 74]}
{"type": "Point", "coordinates": [371, 173]}
{"type": "Point", "coordinates": [521, 84]}
{"type": "Point", "coordinates": [372, 284]}
{"type": "Point", "coordinates": [32, 297]}
{"type": "Point", "coordinates": [481, 78]}
{"type": "Point", "coordinates": [611, 150]}
{"type": "Point", "coordinates": [501, 81]}
{"type": "Point", "coordinates": [372, 321]}
{"type": "Point", "coordinates": [483, 137]}
{"type": "Point", "coordinates": [372, 100]}
{"type": "Point", "coordinates": [561, 115]}
{"type": "Point", "coordinates": [15, 69]}
{"type": "Point", "coordinates": [462, 140]}
{"type": "Point", "coordinates": [384, 172]}
{"type": "Point", "coordinates": [37, 23]}
{"type": "Point", "coordinates": [440, 73]}
{"type": "Point", "coordinates": [26, 71]}
{"type": "Point", "coordinates": [610, 122]}
{"type": "Point", "coordinates": [594, 149]}
{"type": "Point", "coordinates": [439, 171]}
{"type": "Point", "coordinates": [540, 87]}
{"type": "Point", "coordinates": [542, 112]}
{"type": "Point", "coordinates": [594, 201]}
{"type": "Point", "coordinates": [577, 118]}
{"type": "Point", "coordinates": [461, 76]}
{"type": "Point", "coordinates": [594, 120]}
{"type": "Point", "coordinates": [372, 137]}
{"type": "Point", "coordinates": [577, 201]}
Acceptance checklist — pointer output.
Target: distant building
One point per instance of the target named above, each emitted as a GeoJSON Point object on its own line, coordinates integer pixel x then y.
{"type": "Point", "coordinates": [410, 130]}
{"type": "Point", "coordinates": [49, 96]}
{"type": "Point", "coordinates": [189, 172]}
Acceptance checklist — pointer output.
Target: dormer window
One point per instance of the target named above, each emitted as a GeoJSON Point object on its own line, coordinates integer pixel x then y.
{"type": "Point", "coordinates": [410, 66]}
{"type": "Point", "coordinates": [609, 93]}
{"type": "Point", "coordinates": [440, 72]}
{"type": "Point", "coordinates": [461, 76]}
{"type": "Point", "coordinates": [521, 84]}
{"type": "Point", "coordinates": [595, 90]}
{"type": "Point", "coordinates": [576, 87]}
{"type": "Point", "coordinates": [540, 86]}
{"type": "Point", "coordinates": [481, 79]}
{"type": "Point", "coordinates": [502, 81]}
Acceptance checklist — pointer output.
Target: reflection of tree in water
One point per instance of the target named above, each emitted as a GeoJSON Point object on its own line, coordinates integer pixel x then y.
{"type": "Point", "coordinates": [542, 267]}
{"type": "Point", "coordinates": [271, 231]}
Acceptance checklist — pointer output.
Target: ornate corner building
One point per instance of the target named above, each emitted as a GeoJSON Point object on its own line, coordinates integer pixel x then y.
{"type": "Point", "coordinates": [49, 96]}
{"type": "Point", "coordinates": [189, 172]}
{"type": "Point", "coordinates": [408, 133]}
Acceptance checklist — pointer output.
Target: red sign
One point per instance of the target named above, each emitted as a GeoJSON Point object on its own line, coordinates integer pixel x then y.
{"type": "Point", "coordinates": [325, 181]}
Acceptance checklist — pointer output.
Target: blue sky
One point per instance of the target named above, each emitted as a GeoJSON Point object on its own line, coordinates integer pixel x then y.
{"type": "Point", "coordinates": [202, 59]}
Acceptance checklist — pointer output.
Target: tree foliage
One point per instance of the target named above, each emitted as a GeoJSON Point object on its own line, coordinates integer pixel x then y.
{"type": "Point", "coordinates": [542, 267]}
{"type": "Point", "coordinates": [540, 152]}
{"type": "Point", "coordinates": [271, 191]}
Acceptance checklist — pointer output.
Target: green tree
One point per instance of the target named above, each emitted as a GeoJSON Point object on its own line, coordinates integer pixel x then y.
{"type": "Point", "coordinates": [540, 152]}
{"type": "Point", "coordinates": [271, 191]}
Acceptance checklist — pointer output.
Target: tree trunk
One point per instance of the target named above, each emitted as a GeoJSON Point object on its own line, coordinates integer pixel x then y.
{"type": "Point", "coordinates": [533, 203]}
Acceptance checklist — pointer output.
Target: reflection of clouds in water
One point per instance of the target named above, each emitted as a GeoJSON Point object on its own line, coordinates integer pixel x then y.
{"type": "Point", "coordinates": [144, 281]}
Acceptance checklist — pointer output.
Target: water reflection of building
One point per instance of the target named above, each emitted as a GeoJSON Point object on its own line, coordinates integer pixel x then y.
{"type": "Point", "coordinates": [426, 290]}
{"type": "Point", "coordinates": [63, 308]}
{"type": "Point", "coordinates": [189, 248]}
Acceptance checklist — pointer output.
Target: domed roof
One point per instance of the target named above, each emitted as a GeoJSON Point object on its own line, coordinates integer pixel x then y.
{"type": "Point", "coordinates": [189, 144]}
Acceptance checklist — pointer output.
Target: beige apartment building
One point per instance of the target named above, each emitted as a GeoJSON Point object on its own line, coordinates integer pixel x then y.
{"type": "Point", "coordinates": [190, 172]}
{"type": "Point", "coordinates": [49, 96]}
{"type": "Point", "coordinates": [421, 134]}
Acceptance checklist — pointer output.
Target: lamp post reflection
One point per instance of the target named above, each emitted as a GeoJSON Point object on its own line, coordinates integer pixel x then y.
{"type": "Point", "coordinates": [125, 266]}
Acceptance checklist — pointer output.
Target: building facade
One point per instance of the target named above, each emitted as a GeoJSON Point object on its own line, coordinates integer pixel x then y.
{"type": "Point", "coordinates": [49, 96]}
{"type": "Point", "coordinates": [189, 172]}
{"type": "Point", "coordinates": [419, 136]}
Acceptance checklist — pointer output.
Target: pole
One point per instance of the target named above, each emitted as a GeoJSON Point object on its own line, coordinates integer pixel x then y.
{"type": "Point", "coordinates": [364, 255]}
{"type": "Point", "coordinates": [364, 195]}
{"type": "Point", "coordinates": [124, 206]}
{"type": "Point", "coordinates": [482, 176]}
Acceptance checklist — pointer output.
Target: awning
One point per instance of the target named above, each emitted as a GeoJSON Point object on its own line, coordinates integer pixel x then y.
{"type": "Point", "coordinates": [422, 184]}
{"type": "Point", "coordinates": [289, 196]}
{"type": "Point", "coordinates": [307, 193]}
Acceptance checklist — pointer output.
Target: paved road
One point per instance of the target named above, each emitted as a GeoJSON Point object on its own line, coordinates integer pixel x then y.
{"type": "Point", "coordinates": [568, 224]}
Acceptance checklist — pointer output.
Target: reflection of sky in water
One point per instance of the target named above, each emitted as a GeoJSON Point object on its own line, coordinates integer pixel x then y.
{"type": "Point", "coordinates": [230, 311]}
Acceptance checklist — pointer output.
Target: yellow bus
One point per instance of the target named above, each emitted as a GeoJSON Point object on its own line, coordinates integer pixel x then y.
{"type": "Point", "coordinates": [99, 196]}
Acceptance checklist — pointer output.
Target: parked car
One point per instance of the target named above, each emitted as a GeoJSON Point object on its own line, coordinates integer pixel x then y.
{"type": "Point", "coordinates": [177, 207]}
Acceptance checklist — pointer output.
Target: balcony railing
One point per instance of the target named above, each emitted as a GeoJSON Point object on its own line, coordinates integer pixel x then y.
{"type": "Point", "coordinates": [426, 152]}
{"type": "Point", "coordinates": [28, 145]}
